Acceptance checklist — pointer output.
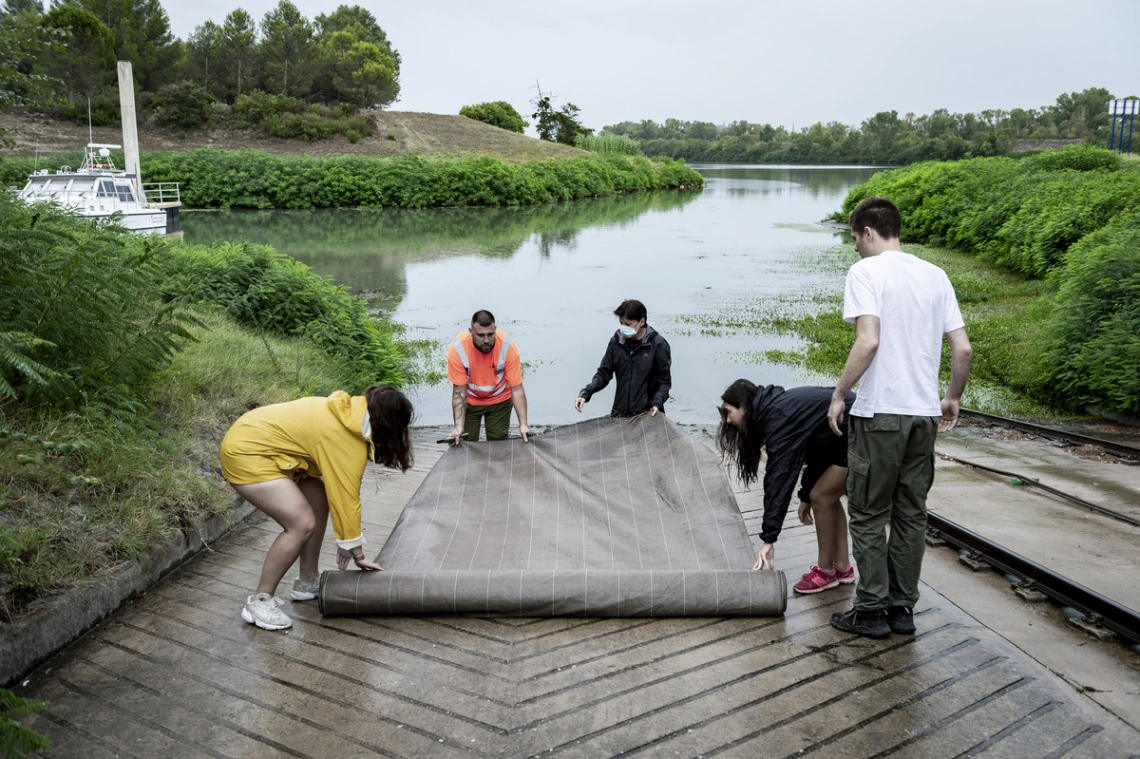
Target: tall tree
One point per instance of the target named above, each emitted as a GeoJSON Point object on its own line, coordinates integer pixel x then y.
{"type": "Point", "coordinates": [364, 27]}
{"type": "Point", "coordinates": [205, 46]}
{"type": "Point", "coordinates": [357, 71]}
{"type": "Point", "coordinates": [239, 43]}
{"type": "Point", "coordinates": [22, 41]}
{"type": "Point", "coordinates": [16, 7]}
{"type": "Point", "coordinates": [90, 55]}
{"type": "Point", "coordinates": [287, 44]}
{"type": "Point", "coordinates": [142, 36]}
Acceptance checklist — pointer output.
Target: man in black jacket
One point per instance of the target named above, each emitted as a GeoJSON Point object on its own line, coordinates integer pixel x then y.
{"type": "Point", "coordinates": [641, 359]}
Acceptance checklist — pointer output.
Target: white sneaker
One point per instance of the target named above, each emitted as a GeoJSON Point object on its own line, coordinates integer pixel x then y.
{"type": "Point", "coordinates": [306, 591]}
{"type": "Point", "coordinates": [264, 611]}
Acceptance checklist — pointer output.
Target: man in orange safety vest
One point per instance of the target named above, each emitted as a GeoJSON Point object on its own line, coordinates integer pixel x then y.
{"type": "Point", "coordinates": [485, 371]}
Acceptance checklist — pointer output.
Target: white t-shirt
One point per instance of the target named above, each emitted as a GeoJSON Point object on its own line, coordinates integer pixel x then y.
{"type": "Point", "coordinates": [916, 306]}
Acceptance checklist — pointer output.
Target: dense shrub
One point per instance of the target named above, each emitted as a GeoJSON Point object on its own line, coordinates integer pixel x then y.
{"type": "Point", "coordinates": [214, 178]}
{"type": "Point", "coordinates": [608, 142]}
{"type": "Point", "coordinates": [184, 105]}
{"type": "Point", "coordinates": [257, 106]}
{"type": "Point", "coordinates": [499, 113]}
{"type": "Point", "coordinates": [271, 291]}
{"type": "Point", "coordinates": [1096, 324]}
{"type": "Point", "coordinates": [1072, 217]}
{"type": "Point", "coordinates": [80, 317]}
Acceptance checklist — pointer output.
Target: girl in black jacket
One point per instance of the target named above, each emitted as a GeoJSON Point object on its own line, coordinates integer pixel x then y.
{"type": "Point", "coordinates": [792, 426]}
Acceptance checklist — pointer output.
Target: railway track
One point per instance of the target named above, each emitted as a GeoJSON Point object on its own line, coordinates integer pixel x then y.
{"type": "Point", "coordinates": [1099, 612]}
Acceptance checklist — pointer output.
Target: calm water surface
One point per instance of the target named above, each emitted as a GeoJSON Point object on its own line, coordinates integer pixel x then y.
{"type": "Point", "coordinates": [552, 275]}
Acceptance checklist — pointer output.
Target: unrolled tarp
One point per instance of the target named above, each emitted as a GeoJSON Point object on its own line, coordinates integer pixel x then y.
{"type": "Point", "coordinates": [605, 518]}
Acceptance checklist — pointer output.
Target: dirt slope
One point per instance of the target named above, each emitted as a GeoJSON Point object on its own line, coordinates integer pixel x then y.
{"type": "Point", "coordinates": [427, 134]}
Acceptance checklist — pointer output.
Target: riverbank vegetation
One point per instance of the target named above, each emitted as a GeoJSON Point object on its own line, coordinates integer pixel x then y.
{"type": "Point", "coordinates": [1046, 266]}
{"type": "Point", "coordinates": [607, 142]}
{"type": "Point", "coordinates": [123, 361]}
{"type": "Point", "coordinates": [883, 139]}
{"type": "Point", "coordinates": [251, 179]}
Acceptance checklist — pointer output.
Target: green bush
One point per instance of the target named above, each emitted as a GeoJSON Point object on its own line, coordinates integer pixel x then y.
{"type": "Point", "coordinates": [1096, 325]}
{"type": "Point", "coordinates": [80, 320]}
{"type": "Point", "coordinates": [257, 106]}
{"type": "Point", "coordinates": [184, 105]}
{"type": "Point", "coordinates": [213, 178]}
{"type": "Point", "coordinates": [270, 291]}
{"type": "Point", "coordinates": [608, 142]}
{"type": "Point", "coordinates": [499, 113]}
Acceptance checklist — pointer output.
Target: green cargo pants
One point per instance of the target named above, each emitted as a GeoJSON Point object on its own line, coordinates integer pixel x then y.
{"type": "Point", "coordinates": [498, 420]}
{"type": "Point", "coordinates": [890, 468]}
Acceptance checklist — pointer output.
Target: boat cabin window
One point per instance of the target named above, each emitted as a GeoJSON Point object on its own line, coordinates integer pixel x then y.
{"type": "Point", "coordinates": [106, 189]}
{"type": "Point", "coordinates": [125, 193]}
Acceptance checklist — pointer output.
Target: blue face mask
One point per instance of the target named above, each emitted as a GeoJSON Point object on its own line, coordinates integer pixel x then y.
{"type": "Point", "coordinates": [627, 331]}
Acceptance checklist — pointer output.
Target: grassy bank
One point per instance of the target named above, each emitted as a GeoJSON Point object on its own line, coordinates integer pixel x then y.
{"type": "Point", "coordinates": [212, 178]}
{"type": "Point", "coordinates": [123, 361]}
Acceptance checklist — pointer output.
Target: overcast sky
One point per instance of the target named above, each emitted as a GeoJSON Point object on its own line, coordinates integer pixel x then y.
{"type": "Point", "coordinates": [789, 62]}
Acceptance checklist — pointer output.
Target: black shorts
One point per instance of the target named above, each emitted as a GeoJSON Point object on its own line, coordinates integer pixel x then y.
{"type": "Point", "coordinates": [822, 453]}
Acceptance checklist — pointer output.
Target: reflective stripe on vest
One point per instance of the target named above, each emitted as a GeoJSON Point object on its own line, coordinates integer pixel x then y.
{"type": "Point", "coordinates": [485, 392]}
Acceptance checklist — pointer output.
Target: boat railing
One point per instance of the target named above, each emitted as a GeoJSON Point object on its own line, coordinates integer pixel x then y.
{"type": "Point", "coordinates": [162, 192]}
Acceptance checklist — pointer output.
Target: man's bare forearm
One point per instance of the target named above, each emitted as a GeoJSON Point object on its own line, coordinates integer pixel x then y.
{"type": "Point", "coordinates": [459, 404]}
{"type": "Point", "coordinates": [961, 359]}
{"type": "Point", "coordinates": [518, 401]}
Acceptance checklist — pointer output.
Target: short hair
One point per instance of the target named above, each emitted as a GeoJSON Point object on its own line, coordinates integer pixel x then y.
{"type": "Point", "coordinates": [634, 310]}
{"type": "Point", "coordinates": [880, 215]}
{"type": "Point", "coordinates": [483, 318]}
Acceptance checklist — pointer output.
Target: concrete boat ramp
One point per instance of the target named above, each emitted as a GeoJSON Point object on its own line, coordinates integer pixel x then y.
{"type": "Point", "coordinates": [178, 674]}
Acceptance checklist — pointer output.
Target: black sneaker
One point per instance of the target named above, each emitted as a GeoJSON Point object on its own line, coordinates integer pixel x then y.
{"type": "Point", "coordinates": [901, 619]}
{"type": "Point", "coordinates": [871, 624]}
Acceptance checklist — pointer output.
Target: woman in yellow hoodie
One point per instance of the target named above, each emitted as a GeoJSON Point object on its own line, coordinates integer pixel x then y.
{"type": "Point", "coordinates": [299, 463]}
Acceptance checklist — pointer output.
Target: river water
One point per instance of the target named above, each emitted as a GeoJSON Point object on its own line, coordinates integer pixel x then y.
{"type": "Point", "coordinates": [552, 276]}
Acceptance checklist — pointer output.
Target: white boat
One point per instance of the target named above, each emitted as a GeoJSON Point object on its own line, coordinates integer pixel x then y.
{"type": "Point", "coordinates": [99, 190]}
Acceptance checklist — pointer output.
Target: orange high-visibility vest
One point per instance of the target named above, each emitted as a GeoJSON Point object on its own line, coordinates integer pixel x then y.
{"type": "Point", "coordinates": [488, 376]}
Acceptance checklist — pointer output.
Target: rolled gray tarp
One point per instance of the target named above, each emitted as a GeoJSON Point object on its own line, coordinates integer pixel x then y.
{"type": "Point", "coordinates": [605, 518]}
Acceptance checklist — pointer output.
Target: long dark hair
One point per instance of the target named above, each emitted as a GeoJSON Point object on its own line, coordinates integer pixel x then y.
{"type": "Point", "coordinates": [391, 415]}
{"type": "Point", "coordinates": [740, 445]}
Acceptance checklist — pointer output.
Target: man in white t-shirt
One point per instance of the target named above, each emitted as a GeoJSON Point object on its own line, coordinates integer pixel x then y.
{"type": "Point", "coordinates": [901, 306]}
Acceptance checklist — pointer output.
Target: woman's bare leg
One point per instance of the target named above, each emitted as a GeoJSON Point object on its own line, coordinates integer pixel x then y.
{"type": "Point", "coordinates": [314, 491]}
{"type": "Point", "coordinates": [283, 501]}
{"type": "Point", "coordinates": [830, 521]}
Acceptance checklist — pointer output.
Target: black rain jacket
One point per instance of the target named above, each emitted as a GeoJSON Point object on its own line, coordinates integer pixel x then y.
{"type": "Point", "coordinates": [789, 421]}
{"type": "Point", "coordinates": [643, 370]}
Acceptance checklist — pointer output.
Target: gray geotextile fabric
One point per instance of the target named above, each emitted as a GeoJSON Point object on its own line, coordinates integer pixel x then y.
{"type": "Point", "coordinates": [606, 518]}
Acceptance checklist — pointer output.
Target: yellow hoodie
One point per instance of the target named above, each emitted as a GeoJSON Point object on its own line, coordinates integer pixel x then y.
{"type": "Point", "coordinates": [314, 437]}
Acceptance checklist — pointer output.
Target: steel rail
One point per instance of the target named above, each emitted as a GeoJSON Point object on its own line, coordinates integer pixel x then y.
{"type": "Point", "coordinates": [1029, 482]}
{"type": "Point", "coordinates": [1057, 434]}
{"type": "Point", "coordinates": [1097, 608]}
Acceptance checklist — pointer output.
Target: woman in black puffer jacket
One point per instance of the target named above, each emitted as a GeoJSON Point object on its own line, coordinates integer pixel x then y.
{"type": "Point", "coordinates": [792, 426]}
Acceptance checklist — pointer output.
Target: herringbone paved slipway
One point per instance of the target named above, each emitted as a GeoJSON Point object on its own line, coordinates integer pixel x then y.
{"type": "Point", "coordinates": [179, 674]}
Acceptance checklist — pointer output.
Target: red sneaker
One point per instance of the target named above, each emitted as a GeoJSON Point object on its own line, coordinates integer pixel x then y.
{"type": "Point", "coordinates": [816, 580]}
{"type": "Point", "coordinates": [846, 576]}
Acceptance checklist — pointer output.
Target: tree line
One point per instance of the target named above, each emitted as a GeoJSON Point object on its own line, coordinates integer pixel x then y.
{"type": "Point", "coordinates": [885, 138]}
{"type": "Point", "coordinates": [343, 57]}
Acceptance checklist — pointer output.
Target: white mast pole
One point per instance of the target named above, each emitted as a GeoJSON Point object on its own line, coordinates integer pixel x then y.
{"type": "Point", "coordinates": [130, 128]}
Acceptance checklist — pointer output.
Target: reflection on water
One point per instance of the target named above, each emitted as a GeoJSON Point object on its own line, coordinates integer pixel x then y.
{"type": "Point", "coordinates": [553, 274]}
{"type": "Point", "coordinates": [368, 250]}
